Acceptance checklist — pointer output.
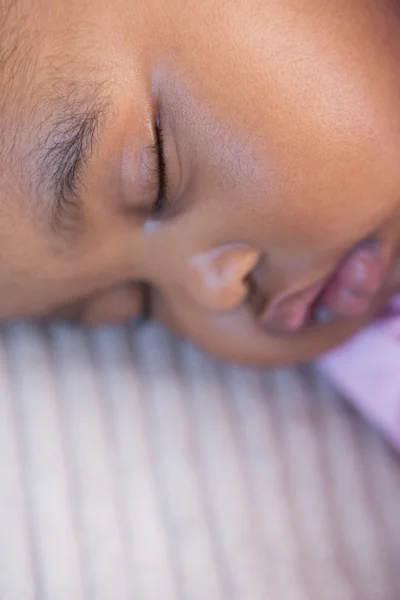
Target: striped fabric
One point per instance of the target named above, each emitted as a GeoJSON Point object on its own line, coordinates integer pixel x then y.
{"type": "Point", "coordinates": [133, 467]}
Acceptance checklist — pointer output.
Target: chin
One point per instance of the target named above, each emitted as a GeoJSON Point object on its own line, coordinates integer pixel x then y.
{"type": "Point", "coordinates": [239, 339]}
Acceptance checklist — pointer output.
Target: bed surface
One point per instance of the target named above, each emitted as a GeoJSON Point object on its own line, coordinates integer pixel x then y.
{"type": "Point", "coordinates": [134, 467]}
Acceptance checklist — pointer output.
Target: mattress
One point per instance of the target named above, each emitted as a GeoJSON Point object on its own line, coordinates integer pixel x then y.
{"type": "Point", "coordinates": [132, 466]}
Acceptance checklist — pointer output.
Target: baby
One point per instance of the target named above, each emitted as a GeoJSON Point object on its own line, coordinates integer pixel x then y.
{"type": "Point", "coordinates": [230, 167]}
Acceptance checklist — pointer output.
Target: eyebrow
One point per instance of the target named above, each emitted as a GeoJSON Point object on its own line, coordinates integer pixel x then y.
{"type": "Point", "coordinates": [71, 139]}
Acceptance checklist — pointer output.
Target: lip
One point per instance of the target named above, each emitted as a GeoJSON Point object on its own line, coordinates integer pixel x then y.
{"type": "Point", "coordinates": [291, 311]}
{"type": "Point", "coordinates": [348, 292]}
{"type": "Point", "coordinates": [357, 281]}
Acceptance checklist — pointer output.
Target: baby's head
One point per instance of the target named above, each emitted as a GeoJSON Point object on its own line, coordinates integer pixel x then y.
{"type": "Point", "coordinates": [229, 157]}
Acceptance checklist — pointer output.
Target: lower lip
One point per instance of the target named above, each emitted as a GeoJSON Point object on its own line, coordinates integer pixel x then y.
{"type": "Point", "coordinates": [355, 284]}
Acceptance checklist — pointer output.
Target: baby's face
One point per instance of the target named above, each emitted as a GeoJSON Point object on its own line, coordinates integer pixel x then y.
{"type": "Point", "coordinates": [231, 158]}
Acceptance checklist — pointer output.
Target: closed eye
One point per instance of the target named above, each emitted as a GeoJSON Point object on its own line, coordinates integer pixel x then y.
{"type": "Point", "coordinates": [161, 201]}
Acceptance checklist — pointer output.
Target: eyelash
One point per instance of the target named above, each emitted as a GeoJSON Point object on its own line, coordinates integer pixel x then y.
{"type": "Point", "coordinates": [162, 197]}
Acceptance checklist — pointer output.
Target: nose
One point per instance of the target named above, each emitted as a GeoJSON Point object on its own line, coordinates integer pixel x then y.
{"type": "Point", "coordinates": [217, 279]}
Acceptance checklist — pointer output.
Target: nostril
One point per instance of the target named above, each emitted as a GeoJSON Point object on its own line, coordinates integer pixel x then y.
{"type": "Point", "coordinates": [256, 296]}
{"type": "Point", "coordinates": [147, 301]}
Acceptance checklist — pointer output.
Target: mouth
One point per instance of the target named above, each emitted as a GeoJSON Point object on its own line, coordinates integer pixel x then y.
{"type": "Point", "coordinates": [350, 291]}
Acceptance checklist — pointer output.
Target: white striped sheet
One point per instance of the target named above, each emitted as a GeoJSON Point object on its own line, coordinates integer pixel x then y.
{"type": "Point", "coordinates": [383, 475]}
{"type": "Point", "coordinates": [224, 484]}
{"type": "Point", "coordinates": [164, 402]}
{"type": "Point", "coordinates": [17, 563]}
{"type": "Point", "coordinates": [159, 468]}
{"type": "Point", "coordinates": [46, 478]}
{"type": "Point", "coordinates": [361, 543]}
{"type": "Point", "coordinates": [297, 430]}
{"type": "Point", "coordinates": [95, 486]}
{"type": "Point", "coordinates": [252, 398]}
{"type": "Point", "coordinates": [149, 559]}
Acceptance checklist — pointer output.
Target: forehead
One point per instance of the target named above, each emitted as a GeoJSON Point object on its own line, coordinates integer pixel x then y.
{"type": "Point", "coordinates": [282, 76]}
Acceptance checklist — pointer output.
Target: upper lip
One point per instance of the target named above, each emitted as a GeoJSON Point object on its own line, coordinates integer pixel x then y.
{"type": "Point", "coordinates": [291, 310]}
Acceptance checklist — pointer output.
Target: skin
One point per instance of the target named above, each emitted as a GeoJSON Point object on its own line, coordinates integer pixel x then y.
{"type": "Point", "coordinates": [281, 126]}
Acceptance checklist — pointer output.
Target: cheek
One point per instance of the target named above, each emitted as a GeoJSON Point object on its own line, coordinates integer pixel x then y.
{"type": "Point", "coordinates": [335, 175]}
{"type": "Point", "coordinates": [325, 206]}
{"type": "Point", "coordinates": [120, 305]}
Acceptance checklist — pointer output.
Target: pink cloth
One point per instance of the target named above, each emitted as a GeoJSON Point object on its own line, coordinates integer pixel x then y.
{"type": "Point", "coordinates": [367, 371]}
